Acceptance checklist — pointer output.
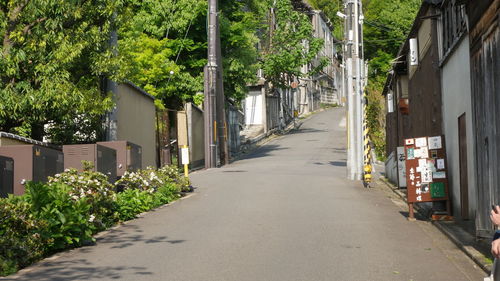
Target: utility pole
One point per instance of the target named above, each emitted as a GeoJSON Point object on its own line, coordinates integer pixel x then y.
{"type": "Point", "coordinates": [210, 91]}
{"type": "Point", "coordinates": [216, 150]}
{"type": "Point", "coordinates": [354, 66]}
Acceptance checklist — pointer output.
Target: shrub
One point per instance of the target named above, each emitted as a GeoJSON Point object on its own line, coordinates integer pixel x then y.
{"type": "Point", "coordinates": [146, 180]}
{"type": "Point", "coordinates": [132, 202]}
{"type": "Point", "coordinates": [21, 242]}
{"type": "Point", "coordinates": [171, 174]}
{"type": "Point", "coordinates": [94, 188]}
{"type": "Point", "coordinates": [69, 220]}
{"type": "Point", "coordinates": [167, 193]}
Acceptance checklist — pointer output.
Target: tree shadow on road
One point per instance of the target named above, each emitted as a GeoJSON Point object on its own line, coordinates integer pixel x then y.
{"type": "Point", "coordinates": [80, 269]}
{"type": "Point", "coordinates": [263, 151]}
{"type": "Point", "coordinates": [129, 235]}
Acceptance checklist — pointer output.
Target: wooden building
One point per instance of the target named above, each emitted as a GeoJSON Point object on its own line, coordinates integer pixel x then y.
{"type": "Point", "coordinates": [484, 37]}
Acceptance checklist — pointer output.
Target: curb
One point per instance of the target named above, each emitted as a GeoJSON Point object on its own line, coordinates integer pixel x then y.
{"type": "Point", "coordinates": [478, 257]}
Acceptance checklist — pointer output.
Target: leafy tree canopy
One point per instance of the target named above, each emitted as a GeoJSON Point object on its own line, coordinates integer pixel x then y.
{"type": "Point", "coordinates": [291, 45]}
{"type": "Point", "coordinates": [52, 57]}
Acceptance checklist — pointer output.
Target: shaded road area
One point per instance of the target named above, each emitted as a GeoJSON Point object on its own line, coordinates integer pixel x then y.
{"type": "Point", "coordinates": [284, 212]}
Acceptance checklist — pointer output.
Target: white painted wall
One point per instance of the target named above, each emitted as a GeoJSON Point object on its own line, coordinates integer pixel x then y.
{"type": "Point", "coordinates": [253, 108]}
{"type": "Point", "coordinates": [456, 92]}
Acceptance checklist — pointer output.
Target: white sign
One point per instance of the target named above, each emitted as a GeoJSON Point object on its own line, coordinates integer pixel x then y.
{"type": "Point", "coordinates": [409, 141]}
{"type": "Point", "coordinates": [435, 143]}
{"type": "Point", "coordinates": [426, 175]}
{"type": "Point", "coordinates": [440, 164]}
{"type": "Point", "coordinates": [421, 142]}
{"type": "Point", "coordinates": [413, 51]}
{"type": "Point", "coordinates": [439, 175]}
{"type": "Point", "coordinates": [185, 155]}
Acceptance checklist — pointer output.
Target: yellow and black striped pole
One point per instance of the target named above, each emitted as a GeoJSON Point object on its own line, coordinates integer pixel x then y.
{"type": "Point", "coordinates": [367, 157]}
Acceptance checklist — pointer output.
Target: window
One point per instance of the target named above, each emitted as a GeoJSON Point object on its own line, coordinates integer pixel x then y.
{"type": "Point", "coordinates": [454, 24]}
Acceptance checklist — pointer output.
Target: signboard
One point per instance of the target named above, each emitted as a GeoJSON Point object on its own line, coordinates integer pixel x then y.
{"type": "Point", "coordinates": [426, 175]}
{"type": "Point", "coordinates": [185, 155]}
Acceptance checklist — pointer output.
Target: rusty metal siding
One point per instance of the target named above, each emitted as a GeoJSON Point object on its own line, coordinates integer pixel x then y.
{"type": "Point", "coordinates": [485, 74]}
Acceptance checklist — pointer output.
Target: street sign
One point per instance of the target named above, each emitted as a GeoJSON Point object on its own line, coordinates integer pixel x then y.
{"type": "Point", "coordinates": [426, 171]}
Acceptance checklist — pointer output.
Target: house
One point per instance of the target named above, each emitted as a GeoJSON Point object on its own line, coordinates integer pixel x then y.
{"type": "Point", "coordinates": [484, 45]}
{"type": "Point", "coordinates": [413, 87]}
{"type": "Point", "coordinates": [457, 109]}
{"type": "Point", "coordinates": [449, 86]}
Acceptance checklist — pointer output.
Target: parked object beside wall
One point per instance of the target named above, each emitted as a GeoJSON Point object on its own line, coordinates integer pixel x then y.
{"type": "Point", "coordinates": [6, 176]}
{"type": "Point", "coordinates": [128, 156]}
{"type": "Point", "coordinates": [32, 163]}
{"type": "Point", "coordinates": [103, 158]}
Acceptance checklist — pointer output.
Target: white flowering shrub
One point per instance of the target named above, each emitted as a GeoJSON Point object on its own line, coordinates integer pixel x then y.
{"type": "Point", "coordinates": [95, 189]}
{"type": "Point", "coordinates": [145, 180]}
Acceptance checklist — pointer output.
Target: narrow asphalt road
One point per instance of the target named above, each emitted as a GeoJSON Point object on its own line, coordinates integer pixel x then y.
{"type": "Point", "coordinates": [284, 212]}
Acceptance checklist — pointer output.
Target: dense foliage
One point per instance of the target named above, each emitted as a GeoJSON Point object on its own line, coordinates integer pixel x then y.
{"type": "Point", "coordinates": [291, 45]}
{"type": "Point", "coordinates": [72, 206]}
{"type": "Point", "coordinates": [53, 56]}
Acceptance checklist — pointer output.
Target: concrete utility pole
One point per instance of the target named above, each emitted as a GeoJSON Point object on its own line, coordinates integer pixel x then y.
{"type": "Point", "coordinates": [211, 89]}
{"type": "Point", "coordinates": [216, 150]}
{"type": "Point", "coordinates": [355, 76]}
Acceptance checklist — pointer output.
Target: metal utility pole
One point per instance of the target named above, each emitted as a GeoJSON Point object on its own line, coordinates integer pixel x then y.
{"type": "Point", "coordinates": [354, 66]}
{"type": "Point", "coordinates": [210, 92]}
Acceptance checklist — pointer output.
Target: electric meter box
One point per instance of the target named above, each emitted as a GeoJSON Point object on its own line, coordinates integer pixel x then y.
{"type": "Point", "coordinates": [103, 158]}
{"type": "Point", "coordinates": [32, 163]}
{"type": "Point", "coordinates": [128, 156]}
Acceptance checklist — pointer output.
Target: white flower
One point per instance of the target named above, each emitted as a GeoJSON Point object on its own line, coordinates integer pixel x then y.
{"type": "Point", "coordinates": [75, 197]}
{"type": "Point", "coordinates": [91, 219]}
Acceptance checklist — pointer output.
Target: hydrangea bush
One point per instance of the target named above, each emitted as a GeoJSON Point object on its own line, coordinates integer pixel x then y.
{"type": "Point", "coordinates": [94, 188]}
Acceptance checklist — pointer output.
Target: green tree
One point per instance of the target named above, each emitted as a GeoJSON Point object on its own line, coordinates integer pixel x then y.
{"type": "Point", "coordinates": [166, 43]}
{"type": "Point", "coordinates": [291, 45]}
{"type": "Point", "coordinates": [53, 56]}
{"type": "Point", "coordinates": [165, 48]}
{"type": "Point", "coordinates": [387, 23]}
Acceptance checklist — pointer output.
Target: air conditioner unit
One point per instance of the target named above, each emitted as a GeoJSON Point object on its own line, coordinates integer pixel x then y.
{"type": "Point", "coordinates": [32, 163]}
{"type": "Point", "coordinates": [128, 155]}
{"type": "Point", "coordinates": [6, 176]}
{"type": "Point", "coordinates": [103, 158]}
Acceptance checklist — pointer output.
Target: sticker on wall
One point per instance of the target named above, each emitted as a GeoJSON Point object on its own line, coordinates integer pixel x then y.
{"type": "Point", "coordinates": [439, 175]}
{"type": "Point", "coordinates": [410, 154]}
{"type": "Point", "coordinates": [421, 142]}
{"type": "Point", "coordinates": [440, 164]}
{"type": "Point", "coordinates": [435, 143]}
{"type": "Point", "coordinates": [409, 141]}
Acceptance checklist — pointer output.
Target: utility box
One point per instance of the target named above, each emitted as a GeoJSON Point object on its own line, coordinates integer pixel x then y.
{"type": "Point", "coordinates": [128, 155]}
{"type": "Point", "coordinates": [103, 158]}
{"type": "Point", "coordinates": [32, 163]}
{"type": "Point", "coordinates": [6, 176]}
